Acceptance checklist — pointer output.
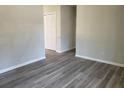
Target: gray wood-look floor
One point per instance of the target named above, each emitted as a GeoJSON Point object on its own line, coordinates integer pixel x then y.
{"type": "Point", "coordinates": [64, 71]}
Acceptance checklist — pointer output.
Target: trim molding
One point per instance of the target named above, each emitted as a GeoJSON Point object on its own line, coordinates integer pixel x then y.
{"type": "Point", "coordinates": [20, 65]}
{"type": "Point", "coordinates": [62, 51]}
{"type": "Point", "coordinates": [102, 61]}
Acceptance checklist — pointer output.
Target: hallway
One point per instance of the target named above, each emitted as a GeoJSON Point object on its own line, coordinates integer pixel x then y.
{"type": "Point", "coordinates": [64, 70]}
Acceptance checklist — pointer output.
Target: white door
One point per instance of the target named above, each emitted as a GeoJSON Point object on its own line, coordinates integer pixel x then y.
{"type": "Point", "coordinates": [50, 31]}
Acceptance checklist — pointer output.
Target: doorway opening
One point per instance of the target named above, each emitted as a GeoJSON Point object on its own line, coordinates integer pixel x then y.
{"type": "Point", "coordinates": [59, 28]}
{"type": "Point", "coordinates": [50, 30]}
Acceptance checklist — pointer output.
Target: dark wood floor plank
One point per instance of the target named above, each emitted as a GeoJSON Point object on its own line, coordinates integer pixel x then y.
{"type": "Point", "coordinates": [121, 82]}
{"type": "Point", "coordinates": [107, 77]}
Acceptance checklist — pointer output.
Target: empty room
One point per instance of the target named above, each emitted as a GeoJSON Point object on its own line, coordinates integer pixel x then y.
{"type": "Point", "coordinates": [61, 46]}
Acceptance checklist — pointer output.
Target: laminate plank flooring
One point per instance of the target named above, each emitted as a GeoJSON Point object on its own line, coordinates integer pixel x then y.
{"type": "Point", "coordinates": [64, 70]}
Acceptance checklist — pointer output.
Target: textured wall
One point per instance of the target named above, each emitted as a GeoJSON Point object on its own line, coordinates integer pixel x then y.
{"type": "Point", "coordinates": [21, 35]}
{"type": "Point", "coordinates": [100, 32]}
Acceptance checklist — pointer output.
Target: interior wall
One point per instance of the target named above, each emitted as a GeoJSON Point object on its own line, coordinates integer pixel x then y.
{"type": "Point", "coordinates": [100, 33]}
{"type": "Point", "coordinates": [68, 27]}
{"type": "Point", "coordinates": [50, 8]}
{"type": "Point", "coordinates": [21, 35]}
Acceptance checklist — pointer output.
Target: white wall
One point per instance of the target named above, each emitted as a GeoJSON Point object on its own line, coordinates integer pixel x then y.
{"type": "Point", "coordinates": [68, 27]}
{"type": "Point", "coordinates": [100, 33]}
{"type": "Point", "coordinates": [21, 35]}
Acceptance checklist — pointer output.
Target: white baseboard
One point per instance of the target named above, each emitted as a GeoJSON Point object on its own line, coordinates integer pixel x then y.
{"type": "Point", "coordinates": [20, 65]}
{"type": "Point", "coordinates": [62, 51]}
{"type": "Point", "coordinates": [102, 61]}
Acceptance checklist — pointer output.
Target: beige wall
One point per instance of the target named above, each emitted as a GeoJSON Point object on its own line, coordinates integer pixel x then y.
{"type": "Point", "coordinates": [68, 27]}
{"type": "Point", "coordinates": [100, 33]}
{"type": "Point", "coordinates": [50, 8]}
{"type": "Point", "coordinates": [21, 35]}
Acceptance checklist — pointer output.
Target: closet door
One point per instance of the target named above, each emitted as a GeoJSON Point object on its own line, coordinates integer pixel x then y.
{"type": "Point", "coordinates": [50, 31]}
